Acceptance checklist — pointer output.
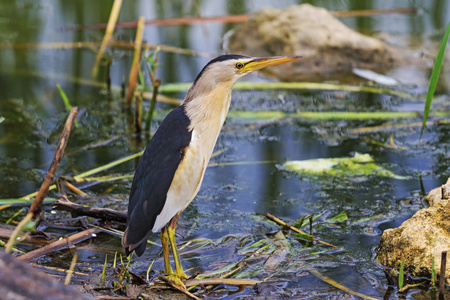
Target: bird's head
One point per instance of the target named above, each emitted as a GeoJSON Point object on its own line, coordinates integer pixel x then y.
{"type": "Point", "coordinates": [227, 69]}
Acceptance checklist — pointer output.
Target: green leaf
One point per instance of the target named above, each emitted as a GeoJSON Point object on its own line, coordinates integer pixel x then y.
{"type": "Point", "coordinates": [340, 218]}
{"type": "Point", "coordinates": [18, 201]}
{"type": "Point", "coordinates": [434, 77]}
{"type": "Point", "coordinates": [66, 102]}
{"type": "Point", "coordinates": [401, 275]}
{"type": "Point", "coordinates": [433, 273]}
{"type": "Point", "coordinates": [305, 236]}
{"type": "Point", "coordinates": [2, 119]}
{"type": "Point", "coordinates": [102, 280]}
{"type": "Point", "coordinates": [256, 115]}
{"type": "Point", "coordinates": [299, 223]}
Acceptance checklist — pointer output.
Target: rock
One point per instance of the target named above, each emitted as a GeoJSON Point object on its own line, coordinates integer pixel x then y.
{"type": "Point", "coordinates": [329, 48]}
{"type": "Point", "coordinates": [438, 193]}
{"type": "Point", "coordinates": [417, 240]}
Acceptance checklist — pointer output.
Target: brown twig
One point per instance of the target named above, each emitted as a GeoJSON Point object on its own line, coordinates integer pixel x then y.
{"type": "Point", "coordinates": [79, 210]}
{"type": "Point", "coordinates": [239, 18]}
{"type": "Point", "coordinates": [60, 244]}
{"type": "Point", "coordinates": [156, 82]}
{"type": "Point", "coordinates": [138, 112]}
{"type": "Point", "coordinates": [37, 202]}
{"type": "Point", "coordinates": [372, 12]}
{"type": "Point", "coordinates": [280, 222]}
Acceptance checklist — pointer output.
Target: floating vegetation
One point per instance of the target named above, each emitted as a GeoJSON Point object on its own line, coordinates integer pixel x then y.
{"type": "Point", "coordinates": [358, 165]}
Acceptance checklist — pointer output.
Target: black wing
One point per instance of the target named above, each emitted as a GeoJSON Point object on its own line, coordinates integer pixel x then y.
{"type": "Point", "coordinates": [153, 178]}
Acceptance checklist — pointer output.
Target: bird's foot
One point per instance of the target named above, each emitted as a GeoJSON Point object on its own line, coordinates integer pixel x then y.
{"type": "Point", "coordinates": [180, 274]}
{"type": "Point", "coordinates": [176, 279]}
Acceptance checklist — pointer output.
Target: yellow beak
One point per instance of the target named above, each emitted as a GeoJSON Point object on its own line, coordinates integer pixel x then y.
{"type": "Point", "coordinates": [262, 62]}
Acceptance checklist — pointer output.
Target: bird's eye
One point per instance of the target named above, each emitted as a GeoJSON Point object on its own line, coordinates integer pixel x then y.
{"type": "Point", "coordinates": [239, 65]}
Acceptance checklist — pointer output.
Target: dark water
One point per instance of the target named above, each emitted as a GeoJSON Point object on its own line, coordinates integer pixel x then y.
{"type": "Point", "coordinates": [231, 204]}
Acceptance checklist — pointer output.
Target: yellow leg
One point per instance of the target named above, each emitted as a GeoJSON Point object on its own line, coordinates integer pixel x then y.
{"type": "Point", "coordinates": [176, 257]}
{"type": "Point", "coordinates": [165, 245]}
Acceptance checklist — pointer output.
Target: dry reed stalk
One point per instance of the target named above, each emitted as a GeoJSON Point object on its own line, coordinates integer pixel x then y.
{"type": "Point", "coordinates": [134, 72]}
{"type": "Point", "coordinates": [71, 268]}
{"type": "Point", "coordinates": [241, 18]}
{"type": "Point", "coordinates": [108, 33]}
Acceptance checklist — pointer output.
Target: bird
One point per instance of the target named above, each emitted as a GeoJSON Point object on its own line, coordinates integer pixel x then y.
{"type": "Point", "coordinates": [171, 170]}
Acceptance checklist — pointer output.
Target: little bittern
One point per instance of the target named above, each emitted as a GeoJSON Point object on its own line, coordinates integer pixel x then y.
{"type": "Point", "coordinates": [172, 167]}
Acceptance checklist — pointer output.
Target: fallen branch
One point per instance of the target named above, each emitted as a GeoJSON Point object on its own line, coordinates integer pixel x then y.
{"type": "Point", "coordinates": [61, 244]}
{"type": "Point", "coordinates": [79, 210]}
{"type": "Point", "coordinates": [37, 202]}
{"type": "Point", "coordinates": [280, 222]}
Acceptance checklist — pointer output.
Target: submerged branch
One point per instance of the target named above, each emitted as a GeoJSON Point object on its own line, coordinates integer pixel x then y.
{"type": "Point", "coordinates": [79, 210]}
